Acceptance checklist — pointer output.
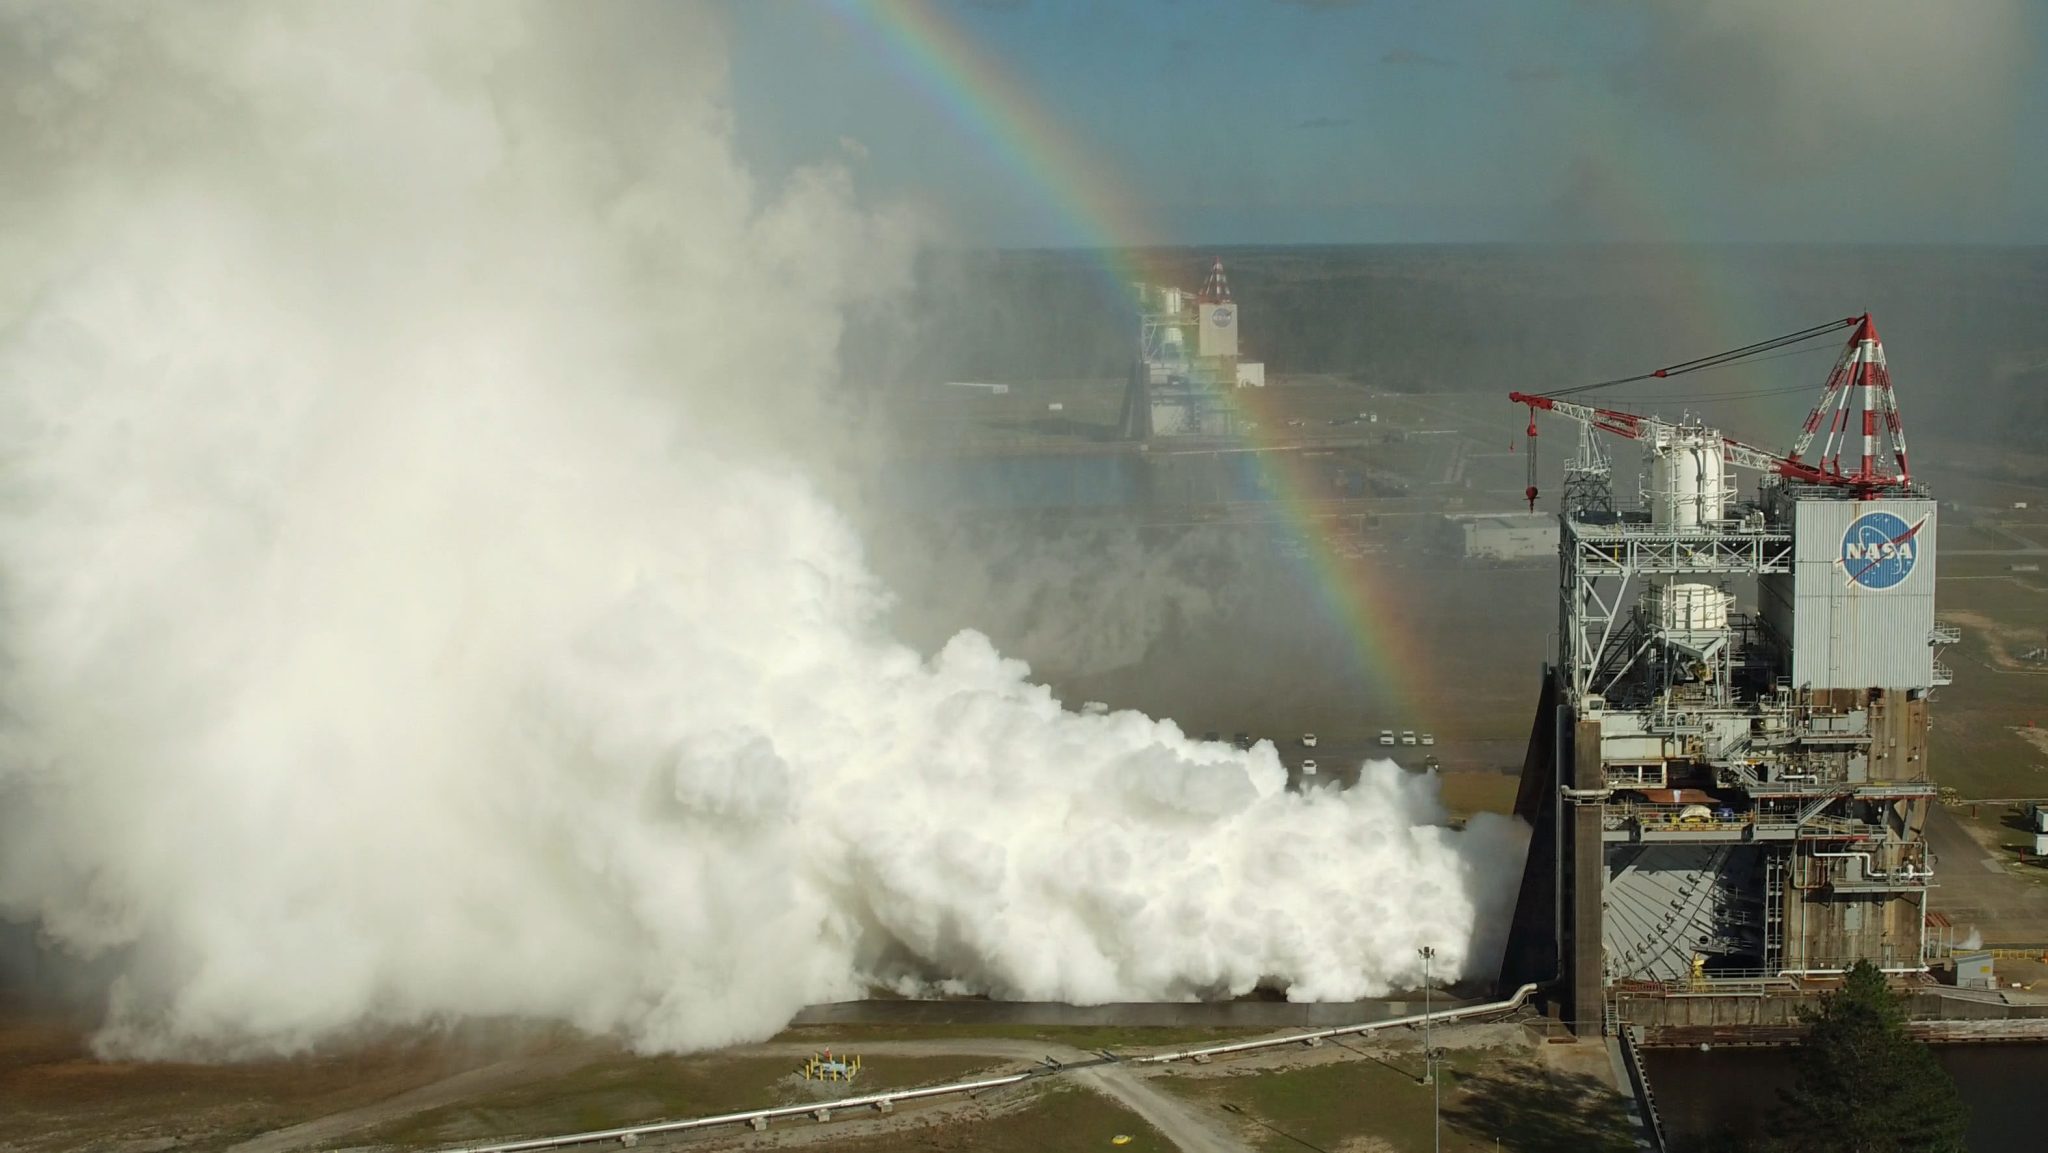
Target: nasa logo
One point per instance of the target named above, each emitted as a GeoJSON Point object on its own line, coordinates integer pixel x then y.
{"type": "Point", "coordinates": [1879, 549]}
{"type": "Point", "coordinates": [1221, 317]}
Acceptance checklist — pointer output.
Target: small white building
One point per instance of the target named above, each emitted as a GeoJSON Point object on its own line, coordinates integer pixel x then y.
{"type": "Point", "coordinates": [1505, 535]}
{"type": "Point", "coordinates": [1976, 969]}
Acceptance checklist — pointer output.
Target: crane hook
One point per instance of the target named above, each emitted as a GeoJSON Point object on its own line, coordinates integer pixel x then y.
{"type": "Point", "coordinates": [1530, 492]}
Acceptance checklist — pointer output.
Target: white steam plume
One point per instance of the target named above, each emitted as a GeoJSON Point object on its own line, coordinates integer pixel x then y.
{"type": "Point", "coordinates": [414, 606]}
{"type": "Point", "coordinates": [1087, 600]}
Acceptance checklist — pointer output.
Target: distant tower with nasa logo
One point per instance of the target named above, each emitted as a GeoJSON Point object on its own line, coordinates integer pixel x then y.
{"type": "Point", "coordinates": [1187, 363]}
{"type": "Point", "coordinates": [1218, 328]}
{"type": "Point", "coordinates": [1727, 778]}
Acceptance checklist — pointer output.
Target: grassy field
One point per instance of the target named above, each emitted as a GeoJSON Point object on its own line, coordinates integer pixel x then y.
{"type": "Point", "coordinates": [1062, 1119]}
{"type": "Point", "coordinates": [1468, 793]}
{"type": "Point", "coordinates": [56, 1095]}
{"type": "Point", "coordinates": [1380, 1104]}
{"type": "Point", "coordinates": [1977, 743]}
{"type": "Point", "coordinates": [629, 1090]}
{"type": "Point", "coordinates": [1107, 1037]}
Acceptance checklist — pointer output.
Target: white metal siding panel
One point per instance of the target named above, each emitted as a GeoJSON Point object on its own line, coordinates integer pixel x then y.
{"type": "Point", "coordinates": [1844, 633]}
{"type": "Point", "coordinates": [1217, 334]}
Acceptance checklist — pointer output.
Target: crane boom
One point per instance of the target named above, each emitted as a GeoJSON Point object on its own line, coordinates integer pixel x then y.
{"type": "Point", "coordinates": [1629, 426]}
{"type": "Point", "coordinates": [1860, 380]}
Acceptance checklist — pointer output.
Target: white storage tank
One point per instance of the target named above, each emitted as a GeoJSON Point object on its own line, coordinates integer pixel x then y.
{"type": "Point", "coordinates": [1690, 607]}
{"type": "Point", "coordinates": [1689, 482]}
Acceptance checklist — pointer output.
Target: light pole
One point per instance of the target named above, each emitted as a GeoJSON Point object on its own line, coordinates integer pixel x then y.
{"type": "Point", "coordinates": [1429, 1056]}
{"type": "Point", "coordinates": [1428, 1063]}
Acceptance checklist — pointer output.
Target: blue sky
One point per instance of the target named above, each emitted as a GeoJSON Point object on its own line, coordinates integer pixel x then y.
{"type": "Point", "coordinates": [1321, 121]}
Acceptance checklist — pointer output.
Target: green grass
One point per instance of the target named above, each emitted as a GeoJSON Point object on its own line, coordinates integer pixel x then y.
{"type": "Point", "coordinates": [1973, 746]}
{"type": "Point", "coordinates": [1487, 1095]}
{"type": "Point", "coordinates": [1064, 1119]}
{"type": "Point", "coordinates": [627, 1091]}
{"type": "Point", "coordinates": [1468, 793]}
{"type": "Point", "coordinates": [1082, 1037]}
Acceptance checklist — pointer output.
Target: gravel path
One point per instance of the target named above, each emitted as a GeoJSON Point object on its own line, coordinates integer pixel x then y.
{"type": "Point", "coordinates": [325, 1131]}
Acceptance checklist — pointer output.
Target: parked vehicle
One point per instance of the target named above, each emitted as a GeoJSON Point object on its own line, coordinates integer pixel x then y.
{"type": "Point", "coordinates": [1386, 736]}
{"type": "Point", "coordinates": [1242, 740]}
{"type": "Point", "coordinates": [1308, 740]}
{"type": "Point", "coordinates": [1308, 767]}
{"type": "Point", "coordinates": [1408, 737]}
{"type": "Point", "coordinates": [1429, 738]}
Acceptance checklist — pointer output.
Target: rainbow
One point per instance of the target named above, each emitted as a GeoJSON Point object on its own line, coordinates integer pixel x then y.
{"type": "Point", "coordinates": [936, 57]}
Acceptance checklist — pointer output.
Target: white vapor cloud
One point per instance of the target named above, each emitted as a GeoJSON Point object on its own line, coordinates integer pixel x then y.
{"type": "Point", "coordinates": [417, 597]}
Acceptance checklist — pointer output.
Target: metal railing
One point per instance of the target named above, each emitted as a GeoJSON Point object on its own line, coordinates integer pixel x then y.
{"type": "Point", "coordinates": [1667, 817]}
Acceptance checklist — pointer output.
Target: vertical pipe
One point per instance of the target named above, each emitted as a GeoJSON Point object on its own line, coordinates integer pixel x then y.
{"type": "Point", "coordinates": [1429, 1056]}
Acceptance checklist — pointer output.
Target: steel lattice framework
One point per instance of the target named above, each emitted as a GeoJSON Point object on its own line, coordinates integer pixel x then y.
{"type": "Point", "coordinates": [1600, 564]}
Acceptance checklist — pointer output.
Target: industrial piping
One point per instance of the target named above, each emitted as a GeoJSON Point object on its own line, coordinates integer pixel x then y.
{"type": "Point", "coordinates": [632, 1133]}
{"type": "Point", "coordinates": [1515, 1002]}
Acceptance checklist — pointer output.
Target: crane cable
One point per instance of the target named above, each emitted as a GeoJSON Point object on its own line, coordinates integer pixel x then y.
{"type": "Point", "coordinates": [1716, 360]}
{"type": "Point", "coordinates": [1697, 364]}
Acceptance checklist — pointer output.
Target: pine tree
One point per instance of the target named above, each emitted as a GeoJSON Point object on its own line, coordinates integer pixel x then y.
{"type": "Point", "coordinates": [1864, 1085]}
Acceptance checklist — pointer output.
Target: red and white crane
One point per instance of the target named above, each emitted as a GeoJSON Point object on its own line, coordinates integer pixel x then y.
{"type": "Point", "coordinates": [1860, 380]}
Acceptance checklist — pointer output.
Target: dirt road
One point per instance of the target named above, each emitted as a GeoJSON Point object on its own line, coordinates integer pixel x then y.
{"type": "Point", "coordinates": [1181, 1121]}
{"type": "Point", "coordinates": [327, 1130]}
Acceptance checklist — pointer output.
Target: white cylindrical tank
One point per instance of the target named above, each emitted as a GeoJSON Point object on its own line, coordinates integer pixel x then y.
{"type": "Point", "coordinates": [1690, 607]}
{"type": "Point", "coordinates": [1688, 479]}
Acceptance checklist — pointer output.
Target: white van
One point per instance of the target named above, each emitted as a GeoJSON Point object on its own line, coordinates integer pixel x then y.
{"type": "Point", "coordinates": [1386, 736]}
{"type": "Point", "coordinates": [1408, 737]}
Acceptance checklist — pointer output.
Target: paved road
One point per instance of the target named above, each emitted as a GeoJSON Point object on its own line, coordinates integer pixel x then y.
{"type": "Point", "coordinates": [1974, 889]}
